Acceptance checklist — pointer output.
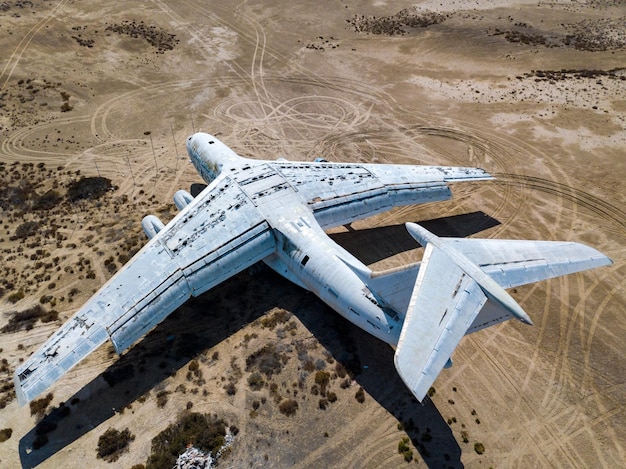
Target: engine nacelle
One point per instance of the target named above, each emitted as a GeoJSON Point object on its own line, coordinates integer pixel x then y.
{"type": "Point", "coordinates": [320, 160]}
{"type": "Point", "coordinates": [182, 199]}
{"type": "Point", "coordinates": [151, 225]}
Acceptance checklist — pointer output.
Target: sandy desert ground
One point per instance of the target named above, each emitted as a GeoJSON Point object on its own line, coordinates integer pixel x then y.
{"type": "Point", "coordinates": [532, 91]}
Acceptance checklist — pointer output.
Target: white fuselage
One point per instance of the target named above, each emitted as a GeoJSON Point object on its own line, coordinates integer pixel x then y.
{"type": "Point", "coordinates": [304, 254]}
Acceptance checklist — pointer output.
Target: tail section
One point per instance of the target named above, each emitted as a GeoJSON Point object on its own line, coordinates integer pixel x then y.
{"type": "Point", "coordinates": [460, 288]}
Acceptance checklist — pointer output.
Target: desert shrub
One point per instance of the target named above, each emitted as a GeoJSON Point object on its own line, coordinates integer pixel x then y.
{"type": "Point", "coordinates": [405, 450]}
{"type": "Point", "coordinates": [205, 432]}
{"type": "Point", "coordinates": [112, 443]}
{"type": "Point", "coordinates": [360, 396]}
{"type": "Point", "coordinates": [340, 370]}
{"type": "Point", "coordinates": [230, 389]}
{"type": "Point", "coordinates": [332, 397]}
{"type": "Point", "coordinates": [16, 296]}
{"type": "Point", "coordinates": [5, 434]}
{"type": "Point", "coordinates": [38, 406]}
{"type": "Point", "coordinates": [323, 403]}
{"type": "Point", "coordinates": [479, 448]}
{"type": "Point", "coordinates": [162, 398]}
{"type": "Point", "coordinates": [255, 381]}
{"type": "Point", "coordinates": [27, 229]}
{"type": "Point", "coordinates": [288, 407]}
{"type": "Point", "coordinates": [89, 188]}
{"type": "Point", "coordinates": [267, 360]}
{"type": "Point", "coordinates": [322, 378]}
{"type": "Point", "coordinates": [24, 320]}
{"type": "Point", "coordinates": [278, 317]}
{"type": "Point", "coordinates": [403, 445]}
{"type": "Point", "coordinates": [47, 201]}
{"type": "Point", "coordinates": [194, 366]}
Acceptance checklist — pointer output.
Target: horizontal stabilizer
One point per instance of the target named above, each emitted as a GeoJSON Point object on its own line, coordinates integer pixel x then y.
{"type": "Point", "coordinates": [517, 262]}
{"type": "Point", "coordinates": [460, 289]}
{"type": "Point", "coordinates": [444, 303]}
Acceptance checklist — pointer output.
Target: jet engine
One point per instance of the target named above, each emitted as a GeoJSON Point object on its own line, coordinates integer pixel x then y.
{"type": "Point", "coordinates": [182, 199]}
{"type": "Point", "coordinates": [151, 225]}
{"type": "Point", "coordinates": [320, 160]}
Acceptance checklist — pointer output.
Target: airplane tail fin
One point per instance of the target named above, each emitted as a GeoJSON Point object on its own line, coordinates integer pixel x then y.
{"type": "Point", "coordinates": [459, 281]}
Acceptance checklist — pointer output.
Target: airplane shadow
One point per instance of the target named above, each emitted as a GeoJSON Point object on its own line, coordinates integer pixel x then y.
{"type": "Point", "coordinates": [370, 364]}
{"type": "Point", "coordinates": [194, 328]}
{"type": "Point", "coordinates": [198, 325]}
{"type": "Point", "coordinates": [371, 245]}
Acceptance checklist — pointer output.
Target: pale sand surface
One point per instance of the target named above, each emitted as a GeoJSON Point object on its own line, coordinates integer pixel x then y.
{"type": "Point", "coordinates": [278, 79]}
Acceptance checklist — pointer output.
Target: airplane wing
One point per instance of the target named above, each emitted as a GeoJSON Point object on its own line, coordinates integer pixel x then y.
{"type": "Point", "coordinates": [459, 289]}
{"type": "Point", "coordinates": [341, 193]}
{"type": "Point", "coordinates": [200, 248]}
{"type": "Point", "coordinates": [444, 303]}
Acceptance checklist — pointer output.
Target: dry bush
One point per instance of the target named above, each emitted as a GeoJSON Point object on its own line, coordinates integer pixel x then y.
{"type": "Point", "coordinates": [255, 381]}
{"type": "Point", "coordinates": [322, 378]}
{"type": "Point", "coordinates": [267, 360]}
{"type": "Point", "coordinates": [278, 317]}
{"type": "Point", "coordinates": [112, 443]}
{"type": "Point", "coordinates": [205, 432]}
{"type": "Point", "coordinates": [288, 407]}
{"type": "Point", "coordinates": [5, 434]}
{"type": "Point", "coordinates": [38, 406]}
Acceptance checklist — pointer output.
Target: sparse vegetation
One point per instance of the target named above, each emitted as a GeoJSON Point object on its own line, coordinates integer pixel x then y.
{"type": "Point", "coordinates": [255, 381]}
{"type": "Point", "coordinates": [162, 397]}
{"type": "Point", "coordinates": [5, 434]}
{"type": "Point", "coordinates": [15, 297]}
{"type": "Point", "coordinates": [267, 360]}
{"type": "Point", "coordinates": [322, 378]}
{"type": "Point", "coordinates": [112, 443]}
{"type": "Point", "coordinates": [288, 407]}
{"type": "Point", "coordinates": [280, 316]}
{"type": "Point", "coordinates": [360, 396]}
{"type": "Point", "coordinates": [405, 450]}
{"type": "Point", "coordinates": [205, 432]}
{"type": "Point", "coordinates": [38, 406]}
{"type": "Point", "coordinates": [395, 24]}
{"type": "Point", "coordinates": [89, 188]}
{"type": "Point", "coordinates": [479, 448]}
{"type": "Point", "coordinates": [155, 36]}
{"type": "Point", "coordinates": [27, 229]}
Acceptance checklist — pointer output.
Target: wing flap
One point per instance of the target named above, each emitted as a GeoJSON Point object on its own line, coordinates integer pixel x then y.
{"type": "Point", "coordinates": [444, 303]}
